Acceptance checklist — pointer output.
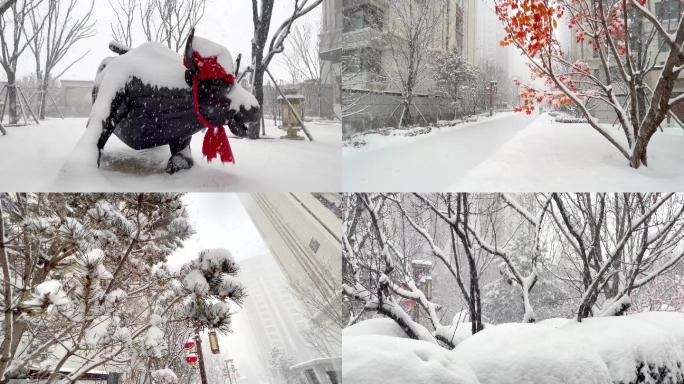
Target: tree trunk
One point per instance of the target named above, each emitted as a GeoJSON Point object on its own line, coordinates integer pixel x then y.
{"type": "Point", "coordinates": [43, 96]}
{"type": "Point", "coordinates": [258, 91]}
{"type": "Point", "coordinates": [12, 97]}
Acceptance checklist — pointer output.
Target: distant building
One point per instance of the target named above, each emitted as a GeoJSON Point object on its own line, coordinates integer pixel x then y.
{"type": "Point", "coordinates": [302, 231]}
{"type": "Point", "coordinates": [76, 97]}
{"type": "Point", "coordinates": [330, 50]}
{"type": "Point", "coordinates": [320, 371]}
{"type": "Point", "coordinates": [669, 12]}
{"type": "Point", "coordinates": [356, 37]}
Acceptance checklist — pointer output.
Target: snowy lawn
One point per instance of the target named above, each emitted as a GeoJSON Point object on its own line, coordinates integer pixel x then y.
{"type": "Point", "coordinates": [550, 156]}
{"type": "Point", "coordinates": [37, 158]}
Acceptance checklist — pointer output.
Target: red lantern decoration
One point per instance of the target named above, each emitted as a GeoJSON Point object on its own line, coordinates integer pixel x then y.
{"type": "Point", "coordinates": [191, 359]}
{"type": "Point", "coordinates": [189, 344]}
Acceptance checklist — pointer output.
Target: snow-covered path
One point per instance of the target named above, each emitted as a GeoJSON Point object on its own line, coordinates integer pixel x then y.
{"type": "Point", "coordinates": [36, 158]}
{"type": "Point", "coordinates": [430, 163]}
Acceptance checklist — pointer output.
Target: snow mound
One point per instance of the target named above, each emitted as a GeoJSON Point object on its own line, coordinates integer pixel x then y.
{"type": "Point", "coordinates": [634, 350]}
{"type": "Point", "coordinates": [555, 322]}
{"type": "Point", "coordinates": [526, 353]}
{"type": "Point", "coordinates": [371, 359]}
{"type": "Point", "coordinates": [672, 323]}
{"type": "Point", "coordinates": [379, 326]}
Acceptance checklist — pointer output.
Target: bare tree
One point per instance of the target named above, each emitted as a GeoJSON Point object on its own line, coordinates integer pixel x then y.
{"type": "Point", "coordinates": [410, 35]}
{"type": "Point", "coordinates": [303, 61]}
{"type": "Point", "coordinates": [262, 12]}
{"type": "Point", "coordinates": [56, 27]}
{"type": "Point", "coordinates": [617, 244]}
{"type": "Point", "coordinates": [5, 5]}
{"type": "Point", "coordinates": [124, 11]}
{"type": "Point", "coordinates": [13, 43]}
{"type": "Point", "coordinates": [167, 21]}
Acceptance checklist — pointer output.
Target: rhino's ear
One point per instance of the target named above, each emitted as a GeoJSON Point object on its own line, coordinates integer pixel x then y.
{"type": "Point", "coordinates": [188, 52]}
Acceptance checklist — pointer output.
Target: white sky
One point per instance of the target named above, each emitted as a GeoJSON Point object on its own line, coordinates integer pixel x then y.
{"type": "Point", "coordinates": [227, 22]}
{"type": "Point", "coordinates": [220, 221]}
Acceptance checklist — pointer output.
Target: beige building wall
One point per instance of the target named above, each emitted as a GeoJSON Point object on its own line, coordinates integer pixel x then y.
{"type": "Point", "coordinates": [303, 236]}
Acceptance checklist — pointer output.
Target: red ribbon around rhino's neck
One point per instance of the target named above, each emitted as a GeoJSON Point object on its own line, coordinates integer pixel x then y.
{"type": "Point", "coordinates": [215, 140]}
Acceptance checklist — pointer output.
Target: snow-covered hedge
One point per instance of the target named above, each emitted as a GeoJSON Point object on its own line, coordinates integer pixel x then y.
{"type": "Point", "coordinates": [634, 350]}
{"type": "Point", "coordinates": [516, 353]}
{"type": "Point", "coordinates": [371, 359]}
{"type": "Point", "coordinates": [641, 348]}
{"type": "Point", "coordinates": [382, 326]}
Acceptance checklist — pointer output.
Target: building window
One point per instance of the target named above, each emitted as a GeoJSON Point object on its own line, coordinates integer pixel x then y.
{"type": "Point", "coordinates": [311, 376]}
{"type": "Point", "coordinates": [332, 375]}
{"type": "Point", "coordinates": [668, 10]}
{"type": "Point", "coordinates": [361, 60]}
{"type": "Point", "coordinates": [363, 16]}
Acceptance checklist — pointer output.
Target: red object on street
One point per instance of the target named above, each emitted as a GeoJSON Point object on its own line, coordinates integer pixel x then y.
{"type": "Point", "coordinates": [191, 359]}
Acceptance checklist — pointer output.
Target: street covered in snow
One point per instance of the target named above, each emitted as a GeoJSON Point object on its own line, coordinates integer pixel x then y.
{"type": "Point", "coordinates": [39, 158]}
{"type": "Point", "coordinates": [499, 288]}
{"type": "Point", "coordinates": [509, 152]}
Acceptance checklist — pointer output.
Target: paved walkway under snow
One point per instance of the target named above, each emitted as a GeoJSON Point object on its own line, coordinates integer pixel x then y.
{"type": "Point", "coordinates": [430, 163]}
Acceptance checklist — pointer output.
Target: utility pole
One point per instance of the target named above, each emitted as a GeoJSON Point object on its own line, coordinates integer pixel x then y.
{"type": "Point", "coordinates": [200, 356]}
{"type": "Point", "coordinates": [492, 90]}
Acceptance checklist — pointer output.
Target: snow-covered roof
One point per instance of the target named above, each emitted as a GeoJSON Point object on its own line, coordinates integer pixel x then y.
{"type": "Point", "coordinates": [320, 360]}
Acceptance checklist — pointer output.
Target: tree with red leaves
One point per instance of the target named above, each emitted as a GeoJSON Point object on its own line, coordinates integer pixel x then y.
{"type": "Point", "coordinates": [628, 40]}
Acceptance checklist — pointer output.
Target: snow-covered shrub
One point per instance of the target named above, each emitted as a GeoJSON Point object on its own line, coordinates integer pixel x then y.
{"type": "Point", "coordinates": [371, 359]}
{"type": "Point", "coordinates": [634, 350]}
{"type": "Point", "coordinates": [382, 326]}
{"type": "Point", "coordinates": [672, 323]}
{"type": "Point", "coordinates": [517, 353]}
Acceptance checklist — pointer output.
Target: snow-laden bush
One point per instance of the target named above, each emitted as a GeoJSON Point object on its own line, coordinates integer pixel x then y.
{"type": "Point", "coordinates": [634, 350]}
{"type": "Point", "coordinates": [672, 323]}
{"type": "Point", "coordinates": [382, 326]}
{"type": "Point", "coordinates": [371, 359]}
{"type": "Point", "coordinates": [517, 353]}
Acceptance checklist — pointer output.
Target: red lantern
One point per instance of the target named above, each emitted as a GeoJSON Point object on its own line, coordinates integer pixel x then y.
{"type": "Point", "coordinates": [192, 359]}
{"type": "Point", "coordinates": [189, 344]}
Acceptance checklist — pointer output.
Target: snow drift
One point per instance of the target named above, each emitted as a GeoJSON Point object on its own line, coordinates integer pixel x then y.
{"type": "Point", "coordinates": [526, 353]}
{"type": "Point", "coordinates": [371, 359]}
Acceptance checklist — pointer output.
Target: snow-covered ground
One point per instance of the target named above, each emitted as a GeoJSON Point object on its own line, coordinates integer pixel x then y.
{"type": "Point", "coordinates": [510, 152]}
{"type": "Point", "coordinates": [36, 158]}
{"type": "Point", "coordinates": [573, 157]}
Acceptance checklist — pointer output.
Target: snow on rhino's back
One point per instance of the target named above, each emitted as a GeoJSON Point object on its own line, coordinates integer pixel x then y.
{"type": "Point", "coordinates": [372, 359]}
{"type": "Point", "coordinates": [527, 353]}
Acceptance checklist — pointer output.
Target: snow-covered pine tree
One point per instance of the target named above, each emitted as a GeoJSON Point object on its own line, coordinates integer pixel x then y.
{"type": "Point", "coordinates": [79, 280]}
